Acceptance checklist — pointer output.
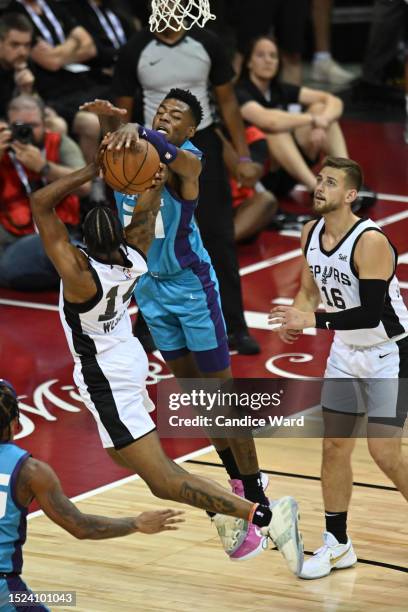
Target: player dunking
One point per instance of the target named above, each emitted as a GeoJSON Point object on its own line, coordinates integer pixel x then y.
{"type": "Point", "coordinates": [350, 267]}
{"type": "Point", "coordinates": [23, 479]}
{"type": "Point", "coordinates": [111, 366]}
{"type": "Point", "coordinates": [179, 297]}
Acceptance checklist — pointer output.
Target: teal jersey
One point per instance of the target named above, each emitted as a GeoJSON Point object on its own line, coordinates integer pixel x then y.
{"type": "Point", "coordinates": [177, 244]}
{"type": "Point", "coordinates": [13, 521]}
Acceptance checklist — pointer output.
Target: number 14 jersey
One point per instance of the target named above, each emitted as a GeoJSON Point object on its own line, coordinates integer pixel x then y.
{"type": "Point", "coordinates": [337, 279]}
{"type": "Point", "coordinates": [103, 322]}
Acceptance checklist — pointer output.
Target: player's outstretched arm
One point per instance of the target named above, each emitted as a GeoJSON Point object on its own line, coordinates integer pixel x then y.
{"type": "Point", "coordinates": [110, 117]}
{"type": "Point", "coordinates": [183, 163]}
{"type": "Point", "coordinates": [46, 488]}
{"type": "Point", "coordinates": [53, 232]}
{"type": "Point", "coordinates": [292, 319]}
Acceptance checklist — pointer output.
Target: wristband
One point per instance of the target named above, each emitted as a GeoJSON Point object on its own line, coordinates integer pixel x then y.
{"type": "Point", "coordinates": [167, 151]}
{"type": "Point", "coordinates": [244, 159]}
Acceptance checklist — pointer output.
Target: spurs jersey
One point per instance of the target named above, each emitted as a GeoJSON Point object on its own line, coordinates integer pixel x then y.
{"type": "Point", "coordinates": [337, 279]}
{"type": "Point", "coordinates": [103, 322]}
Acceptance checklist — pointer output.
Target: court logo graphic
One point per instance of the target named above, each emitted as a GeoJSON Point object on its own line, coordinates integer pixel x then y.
{"type": "Point", "coordinates": [38, 407]}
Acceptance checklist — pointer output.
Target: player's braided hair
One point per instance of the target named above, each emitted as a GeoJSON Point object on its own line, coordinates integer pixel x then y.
{"type": "Point", "coordinates": [184, 95]}
{"type": "Point", "coordinates": [8, 409]}
{"type": "Point", "coordinates": [102, 231]}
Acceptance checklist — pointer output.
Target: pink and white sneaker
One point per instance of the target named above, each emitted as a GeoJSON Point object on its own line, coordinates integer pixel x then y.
{"type": "Point", "coordinates": [241, 540]}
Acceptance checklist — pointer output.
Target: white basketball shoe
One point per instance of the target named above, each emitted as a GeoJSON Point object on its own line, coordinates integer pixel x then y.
{"type": "Point", "coordinates": [332, 555]}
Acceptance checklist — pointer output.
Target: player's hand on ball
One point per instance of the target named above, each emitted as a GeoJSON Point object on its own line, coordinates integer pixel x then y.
{"type": "Point", "coordinates": [103, 108]}
{"type": "Point", "coordinates": [160, 520]}
{"type": "Point", "coordinates": [127, 136]}
{"type": "Point", "coordinates": [290, 318]}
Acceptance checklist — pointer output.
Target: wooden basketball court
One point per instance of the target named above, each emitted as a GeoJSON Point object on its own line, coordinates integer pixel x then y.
{"type": "Point", "coordinates": [188, 570]}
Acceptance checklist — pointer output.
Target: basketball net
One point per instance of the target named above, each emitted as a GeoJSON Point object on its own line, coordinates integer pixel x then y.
{"type": "Point", "coordinates": [179, 14]}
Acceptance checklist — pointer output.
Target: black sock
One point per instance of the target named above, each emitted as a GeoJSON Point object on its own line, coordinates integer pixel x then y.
{"type": "Point", "coordinates": [262, 516]}
{"type": "Point", "coordinates": [336, 523]}
{"type": "Point", "coordinates": [253, 489]}
{"type": "Point", "coordinates": [228, 461]}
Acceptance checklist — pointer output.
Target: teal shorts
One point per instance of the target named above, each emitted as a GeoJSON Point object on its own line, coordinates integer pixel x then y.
{"type": "Point", "coordinates": [183, 310]}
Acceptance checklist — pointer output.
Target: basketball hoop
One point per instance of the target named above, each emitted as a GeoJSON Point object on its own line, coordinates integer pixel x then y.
{"type": "Point", "coordinates": [179, 14]}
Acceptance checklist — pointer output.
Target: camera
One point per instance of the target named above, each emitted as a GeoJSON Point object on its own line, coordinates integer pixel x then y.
{"type": "Point", "coordinates": [23, 132]}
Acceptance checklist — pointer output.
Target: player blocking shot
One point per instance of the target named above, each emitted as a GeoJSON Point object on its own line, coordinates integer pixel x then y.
{"type": "Point", "coordinates": [111, 367]}
{"type": "Point", "coordinates": [23, 479]}
{"type": "Point", "coordinates": [349, 266]}
{"type": "Point", "coordinates": [179, 296]}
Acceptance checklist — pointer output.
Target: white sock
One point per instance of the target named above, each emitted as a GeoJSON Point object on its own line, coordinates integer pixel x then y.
{"type": "Point", "coordinates": [321, 56]}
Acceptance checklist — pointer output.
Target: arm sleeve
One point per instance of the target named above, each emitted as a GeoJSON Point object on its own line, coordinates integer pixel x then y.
{"type": "Point", "coordinates": [366, 316]}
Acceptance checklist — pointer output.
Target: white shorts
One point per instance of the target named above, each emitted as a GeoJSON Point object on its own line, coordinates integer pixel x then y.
{"type": "Point", "coordinates": [113, 387]}
{"type": "Point", "coordinates": [370, 380]}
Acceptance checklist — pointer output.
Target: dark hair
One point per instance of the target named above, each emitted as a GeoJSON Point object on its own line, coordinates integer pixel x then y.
{"type": "Point", "coordinates": [352, 170]}
{"type": "Point", "coordinates": [249, 51]}
{"type": "Point", "coordinates": [8, 408]}
{"type": "Point", "coordinates": [14, 21]}
{"type": "Point", "coordinates": [184, 95]}
{"type": "Point", "coordinates": [103, 233]}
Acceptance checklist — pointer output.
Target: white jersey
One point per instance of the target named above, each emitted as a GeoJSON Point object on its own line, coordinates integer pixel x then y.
{"type": "Point", "coordinates": [337, 279]}
{"type": "Point", "coordinates": [103, 322]}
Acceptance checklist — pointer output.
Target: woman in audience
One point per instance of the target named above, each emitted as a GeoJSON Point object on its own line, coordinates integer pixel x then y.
{"type": "Point", "coordinates": [300, 123]}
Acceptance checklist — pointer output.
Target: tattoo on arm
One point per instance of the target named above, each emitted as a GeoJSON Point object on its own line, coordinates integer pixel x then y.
{"type": "Point", "coordinates": [87, 526]}
{"type": "Point", "coordinates": [201, 499]}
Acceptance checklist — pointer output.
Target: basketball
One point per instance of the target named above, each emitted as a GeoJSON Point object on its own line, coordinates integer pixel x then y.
{"type": "Point", "coordinates": [131, 171]}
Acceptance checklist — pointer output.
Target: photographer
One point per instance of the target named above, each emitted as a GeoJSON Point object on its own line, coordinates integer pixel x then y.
{"type": "Point", "coordinates": [30, 157]}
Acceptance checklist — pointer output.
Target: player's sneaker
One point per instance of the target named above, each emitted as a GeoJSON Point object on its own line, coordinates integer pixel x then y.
{"type": "Point", "coordinates": [332, 555]}
{"type": "Point", "coordinates": [241, 540]}
{"type": "Point", "coordinates": [283, 530]}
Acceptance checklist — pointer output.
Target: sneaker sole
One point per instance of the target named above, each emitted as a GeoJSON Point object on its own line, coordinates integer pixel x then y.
{"type": "Point", "coordinates": [292, 547]}
{"type": "Point", "coordinates": [332, 569]}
